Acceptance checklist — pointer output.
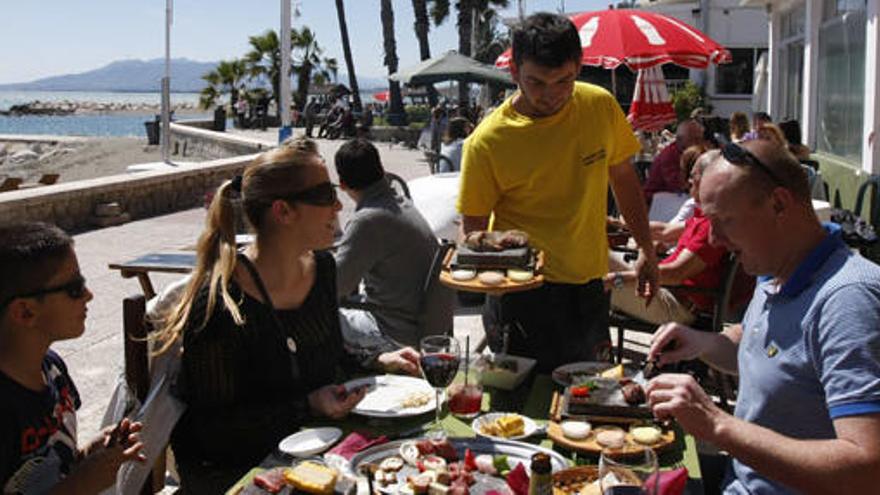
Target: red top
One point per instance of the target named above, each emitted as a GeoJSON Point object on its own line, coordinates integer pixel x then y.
{"type": "Point", "coordinates": [695, 239]}
{"type": "Point", "coordinates": [665, 172]}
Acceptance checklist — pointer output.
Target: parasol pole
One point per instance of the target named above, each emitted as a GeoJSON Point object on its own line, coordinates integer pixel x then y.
{"type": "Point", "coordinates": [166, 86]}
{"type": "Point", "coordinates": [284, 84]}
{"type": "Point", "coordinates": [614, 82]}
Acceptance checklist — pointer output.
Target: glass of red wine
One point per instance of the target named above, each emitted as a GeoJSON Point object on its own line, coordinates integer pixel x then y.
{"type": "Point", "coordinates": [630, 474]}
{"type": "Point", "coordinates": [440, 356]}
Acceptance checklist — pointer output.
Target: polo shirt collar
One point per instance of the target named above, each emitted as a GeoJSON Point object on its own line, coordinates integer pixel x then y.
{"type": "Point", "coordinates": [804, 273]}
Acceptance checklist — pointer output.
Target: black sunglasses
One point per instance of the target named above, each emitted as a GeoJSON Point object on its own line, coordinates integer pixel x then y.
{"type": "Point", "coordinates": [323, 194]}
{"type": "Point", "coordinates": [75, 289]}
{"type": "Point", "coordinates": [738, 155]}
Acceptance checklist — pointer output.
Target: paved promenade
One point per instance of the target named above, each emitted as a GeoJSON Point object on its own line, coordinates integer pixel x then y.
{"type": "Point", "coordinates": [96, 359]}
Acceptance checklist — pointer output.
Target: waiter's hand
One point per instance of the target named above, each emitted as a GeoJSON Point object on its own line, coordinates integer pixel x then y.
{"type": "Point", "coordinates": [647, 275]}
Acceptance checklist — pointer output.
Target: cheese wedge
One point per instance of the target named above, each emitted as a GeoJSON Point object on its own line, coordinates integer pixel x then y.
{"type": "Point", "coordinates": [312, 477]}
{"type": "Point", "coordinates": [614, 372]}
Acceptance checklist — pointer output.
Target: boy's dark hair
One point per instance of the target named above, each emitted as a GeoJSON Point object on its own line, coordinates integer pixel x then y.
{"type": "Point", "coordinates": [762, 117]}
{"type": "Point", "coordinates": [358, 164]}
{"type": "Point", "coordinates": [792, 131]}
{"type": "Point", "coordinates": [549, 40]}
{"type": "Point", "coordinates": [30, 254]}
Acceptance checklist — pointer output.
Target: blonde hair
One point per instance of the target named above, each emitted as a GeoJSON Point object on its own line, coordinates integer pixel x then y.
{"type": "Point", "coordinates": [772, 133]}
{"type": "Point", "coordinates": [273, 175]}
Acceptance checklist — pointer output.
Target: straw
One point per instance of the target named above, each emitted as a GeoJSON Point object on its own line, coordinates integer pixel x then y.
{"type": "Point", "coordinates": [467, 358]}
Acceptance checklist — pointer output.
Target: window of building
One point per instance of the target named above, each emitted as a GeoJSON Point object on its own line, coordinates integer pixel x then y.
{"type": "Point", "coordinates": [791, 63]}
{"type": "Point", "coordinates": [737, 77]}
{"type": "Point", "coordinates": [841, 83]}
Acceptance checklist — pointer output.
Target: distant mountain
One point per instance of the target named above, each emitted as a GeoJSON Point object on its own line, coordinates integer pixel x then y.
{"type": "Point", "coordinates": [126, 75]}
{"type": "Point", "coordinates": [146, 76]}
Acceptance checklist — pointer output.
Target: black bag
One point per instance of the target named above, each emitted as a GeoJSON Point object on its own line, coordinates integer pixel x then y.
{"type": "Point", "coordinates": [856, 231]}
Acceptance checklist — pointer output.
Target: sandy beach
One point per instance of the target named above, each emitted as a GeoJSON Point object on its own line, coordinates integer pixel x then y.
{"type": "Point", "coordinates": [86, 159]}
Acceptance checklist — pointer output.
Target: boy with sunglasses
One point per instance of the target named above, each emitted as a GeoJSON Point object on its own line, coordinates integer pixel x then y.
{"type": "Point", "coordinates": [43, 299]}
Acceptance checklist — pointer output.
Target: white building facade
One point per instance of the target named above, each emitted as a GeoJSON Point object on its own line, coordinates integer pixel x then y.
{"type": "Point", "coordinates": [742, 29]}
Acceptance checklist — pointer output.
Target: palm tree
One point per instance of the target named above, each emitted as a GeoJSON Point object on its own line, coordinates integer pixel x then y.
{"type": "Point", "coordinates": [264, 61]}
{"type": "Point", "coordinates": [396, 112]}
{"type": "Point", "coordinates": [422, 26]}
{"type": "Point", "coordinates": [307, 59]}
{"type": "Point", "coordinates": [346, 50]}
{"type": "Point", "coordinates": [227, 77]}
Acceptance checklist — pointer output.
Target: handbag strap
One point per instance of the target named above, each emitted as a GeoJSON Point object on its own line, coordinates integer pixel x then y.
{"type": "Point", "coordinates": [286, 340]}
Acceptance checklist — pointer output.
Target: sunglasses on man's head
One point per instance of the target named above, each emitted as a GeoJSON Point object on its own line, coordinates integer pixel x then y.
{"type": "Point", "coordinates": [75, 289]}
{"type": "Point", "coordinates": [738, 155]}
{"type": "Point", "coordinates": [323, 194]}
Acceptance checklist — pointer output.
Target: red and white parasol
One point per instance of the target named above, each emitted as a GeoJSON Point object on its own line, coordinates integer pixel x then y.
{"type": "Point", "coordinates": [639, 39]}
{"type": "Point", "coordinates": [651, 107]}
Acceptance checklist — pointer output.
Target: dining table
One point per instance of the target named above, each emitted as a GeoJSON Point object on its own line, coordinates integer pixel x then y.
{"type": "Point", "coordinates": [533, 398]}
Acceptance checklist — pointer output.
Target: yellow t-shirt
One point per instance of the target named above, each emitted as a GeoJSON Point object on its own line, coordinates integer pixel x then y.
{"type": "Point", "coordinates": [549, 178]}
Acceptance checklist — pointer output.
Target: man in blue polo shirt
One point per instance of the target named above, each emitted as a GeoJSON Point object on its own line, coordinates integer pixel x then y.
{"type": "Point", "coordinates": [807, 352]}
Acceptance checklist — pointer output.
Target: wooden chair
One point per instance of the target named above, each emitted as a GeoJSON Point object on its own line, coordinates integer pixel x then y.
{"type": "Point", "coordinates": [713, 322]}
{"type": "Point", "coordinates": [10, 184]}
{"type": "Point", "coordinates": [137, 369]}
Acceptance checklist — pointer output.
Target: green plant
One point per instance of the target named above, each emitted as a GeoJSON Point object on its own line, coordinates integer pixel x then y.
{"type": "Point", "coordinates": [418, 113]}
{"type": "Point", "coordinates": [686, 99]}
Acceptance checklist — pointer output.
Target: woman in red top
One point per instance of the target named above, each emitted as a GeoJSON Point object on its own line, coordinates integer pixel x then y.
{"type": "Point", "coordinates": [694, 262]}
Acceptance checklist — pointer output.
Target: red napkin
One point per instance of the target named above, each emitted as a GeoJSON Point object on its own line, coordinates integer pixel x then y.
{"type": "Point", "coordinates": [355, 442]}
{"type": "Point", "coordinates": [671, 482]}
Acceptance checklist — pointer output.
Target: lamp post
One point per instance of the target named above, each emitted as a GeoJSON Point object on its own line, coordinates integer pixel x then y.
{"type": "Point", "coordinates": [166, 86]}
{"type": "Point", "coordinates": [284, 84]}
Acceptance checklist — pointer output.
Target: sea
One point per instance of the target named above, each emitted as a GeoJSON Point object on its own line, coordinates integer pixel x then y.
{"type": "Point", "coordinates": [127, 124]}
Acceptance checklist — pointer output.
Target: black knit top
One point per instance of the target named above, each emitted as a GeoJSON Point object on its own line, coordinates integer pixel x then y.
{"type": "Point", "coordinates": [242, 398]}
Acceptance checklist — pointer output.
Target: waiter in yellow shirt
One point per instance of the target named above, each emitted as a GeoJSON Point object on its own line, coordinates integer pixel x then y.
{"type": "Point", "coordinates": [541, 163]}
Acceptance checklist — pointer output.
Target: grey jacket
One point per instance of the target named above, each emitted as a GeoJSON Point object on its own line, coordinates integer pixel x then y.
{"type": "Point", "coordinates": [390, 246]}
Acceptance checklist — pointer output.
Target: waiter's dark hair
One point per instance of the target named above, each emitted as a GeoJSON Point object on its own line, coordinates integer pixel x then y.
{"type": "Point", "coordinates": [549, 40]}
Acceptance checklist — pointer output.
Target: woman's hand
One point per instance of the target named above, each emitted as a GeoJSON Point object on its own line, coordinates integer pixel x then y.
{"type": "Point", "coordinates": [404, 361]}
{"type": "Point", "coordinates": [335, 401]}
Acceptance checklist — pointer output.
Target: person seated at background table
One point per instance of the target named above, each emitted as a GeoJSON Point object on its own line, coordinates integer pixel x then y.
{"type": "Point", "coordinates": [665, 172]}
{"type": "Point", "coordinates": [669, 232]}
{"type": "Point", "coordinates": [456, 131]}
{"type": "Point", "coordinates": [758, 119]}
{"type": "Point", "coordinates": [807, 353]}
{"type": "Point", "coordinates": [791, 129]}
{"type": "Point", "coordinates": [739, 126]}
{"type": "Point", "coordinates": [693, 263]}
{"type": "Point", "coordinates": [389, 246]}
{"type": "Point", "coordinates": [262, 349]}
{"type": "Point", "coordinates": [43, 298]}
{"type": "Point", "coordinates": [772, 133]}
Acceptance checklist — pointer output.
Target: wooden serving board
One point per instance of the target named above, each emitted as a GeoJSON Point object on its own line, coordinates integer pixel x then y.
{"type": "Point", "coordinates": [590, 446]}
{"type": "Point", "coordinates": [474, 284]}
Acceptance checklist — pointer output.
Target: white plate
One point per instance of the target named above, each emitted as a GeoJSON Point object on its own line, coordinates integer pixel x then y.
{"type": "Point", "coordinates": [590, 368]}
{"type": "Point", "coordinates": [309, 442]}
{"type": "Point", "coordinates": [387, 392]}
{"type": "Point", "coordinates": [529, 426]}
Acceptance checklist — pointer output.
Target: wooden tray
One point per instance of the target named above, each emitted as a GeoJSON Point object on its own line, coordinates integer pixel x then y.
{"type": "Point", "coordinates": [474, 284]}
{"type": "Point", "coordinates": [589, 445]}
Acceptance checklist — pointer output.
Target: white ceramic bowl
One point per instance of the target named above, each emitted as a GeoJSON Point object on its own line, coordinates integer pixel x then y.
{"type": "Point", "coordinates": [309, 442]}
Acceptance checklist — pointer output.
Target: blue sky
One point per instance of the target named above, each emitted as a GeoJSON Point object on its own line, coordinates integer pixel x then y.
{"type": "Point", "coordinates": [43, 38]}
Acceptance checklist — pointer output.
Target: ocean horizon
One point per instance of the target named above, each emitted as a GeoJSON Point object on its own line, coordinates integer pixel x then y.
{"type": "Point", "coordinates": [113, 124]}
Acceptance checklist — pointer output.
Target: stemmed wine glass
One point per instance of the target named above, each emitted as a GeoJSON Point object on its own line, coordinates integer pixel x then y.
{"type": "Point", "coordinates": [439, 357]}
{"type": "Point", "coordinates": [632, 474]}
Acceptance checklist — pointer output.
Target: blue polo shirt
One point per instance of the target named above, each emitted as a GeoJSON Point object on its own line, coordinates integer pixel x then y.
{"type": "Point", "coordinates": [810, 352]}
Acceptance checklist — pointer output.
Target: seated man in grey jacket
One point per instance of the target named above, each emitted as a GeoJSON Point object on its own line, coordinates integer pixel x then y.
{"type": "Point", "coordinates": [389, 246]}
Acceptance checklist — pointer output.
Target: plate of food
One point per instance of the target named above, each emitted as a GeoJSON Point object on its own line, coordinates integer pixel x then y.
{"type": "Point", "coordinates": [453, 465]}
{"type": "Point", "coordinates": [608, 397]}
{"type": "Point", "coordinates": [580, 480]}
{"type": "Point", "coordinates": [573, 373]}
{"type": "Point", "coordinates": [393, 396]}
{"type": "Point", "coordinates": [493, 262]}
{"type": "Point", "coordinates": [510, 426]}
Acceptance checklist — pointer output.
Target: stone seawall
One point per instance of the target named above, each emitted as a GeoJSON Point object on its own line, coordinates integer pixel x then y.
{"type": "Point", "coordinates": [190, 137]}
{"type": "Point", "coordinates": [72, 206]}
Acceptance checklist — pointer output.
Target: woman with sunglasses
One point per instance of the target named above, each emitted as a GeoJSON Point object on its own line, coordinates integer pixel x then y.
{"type": "Point", "coordinates": [262, 347]}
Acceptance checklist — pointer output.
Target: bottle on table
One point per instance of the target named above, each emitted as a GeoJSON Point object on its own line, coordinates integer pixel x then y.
{"type": "Point", "coordinates": [541, 482]}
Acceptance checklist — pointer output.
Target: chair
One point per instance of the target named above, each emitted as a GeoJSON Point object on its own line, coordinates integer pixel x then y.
{"type": "Point", "coordinates": [10, 184]}
{"type": "Point", "coordinates": [872, 183]}
{"type": "Point", "coordinates": [708, 322]}
{"type": "Point", "coordinates": [397, 181]}
{"type": "Point", "coordinates": [435, 313]}
{"type": "Point", "coordinates": [434, 160]}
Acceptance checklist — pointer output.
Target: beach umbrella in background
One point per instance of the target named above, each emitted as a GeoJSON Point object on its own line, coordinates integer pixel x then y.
{"type": "Point", "coordinates": [639, 39]}
{"type": "Point", "coordinates": [381, 96]}
{"type": "Point", "coordinates": [651, 107]}
{"type": "Point", "coordinates": [451, 66]}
